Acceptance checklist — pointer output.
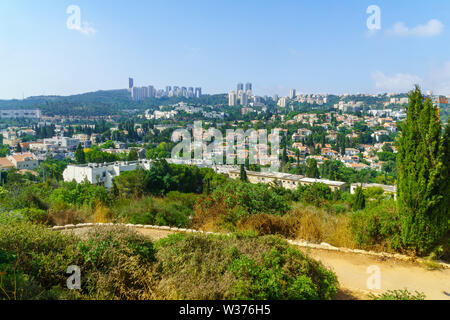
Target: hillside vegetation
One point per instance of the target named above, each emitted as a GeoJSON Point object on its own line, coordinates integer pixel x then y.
{"type": "Point", "coordinates": [117, 263]}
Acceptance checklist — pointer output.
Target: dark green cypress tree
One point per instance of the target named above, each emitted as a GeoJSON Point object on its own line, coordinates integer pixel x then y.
{"type": "Point", "coordinates": [80, 157]}
{"type": "Point", "coordinates": [312, 171]}
{"type": "Point", "coordinates": [360, 199]}
{"type": "Point", "coordinates": [285, 156]}
{"type": "Point", "coordinates": [243, 174]}
{"type": "Point", "coordinates": [423, 180]}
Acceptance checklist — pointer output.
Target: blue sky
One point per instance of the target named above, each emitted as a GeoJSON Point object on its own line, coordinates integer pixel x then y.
{"type": "Point", "coordinates": [312, 46]}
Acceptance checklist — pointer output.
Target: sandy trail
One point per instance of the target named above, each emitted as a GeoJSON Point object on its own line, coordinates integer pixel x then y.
{"type": "Point", "coordinates": [352, 273]}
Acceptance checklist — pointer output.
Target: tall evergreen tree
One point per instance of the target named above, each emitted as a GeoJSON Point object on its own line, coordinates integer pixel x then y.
{"type": "Point", "coordinates": [423, 176]}
{"type": "Point", "coordinates": [80, 156]}
{"type": "Point", "coordinates": [285, 156]}
{"type": "Point", "coordinates": [243, 174]}
{"type": "Point", "coordinates": [133, 155]}
{"type": "Point", "coordinates": [360, 199]}
{"type": "Point", "coordinates": [311, 170]}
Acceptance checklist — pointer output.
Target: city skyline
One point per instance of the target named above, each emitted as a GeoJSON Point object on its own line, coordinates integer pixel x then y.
{"type": "Point", "coordinates": [317, 48]}
{"type": "Point", "coordinates": [149, 91]}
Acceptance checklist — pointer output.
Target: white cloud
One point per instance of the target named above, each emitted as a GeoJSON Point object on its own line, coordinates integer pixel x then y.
{"type": "Point", "coordinates": [432, 28]}
{"type": "Point", "coordinates": [400, 82]}
{"type": "Point", "coordinates": [438, 79]}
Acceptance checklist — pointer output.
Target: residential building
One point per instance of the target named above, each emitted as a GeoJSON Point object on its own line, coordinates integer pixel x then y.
{"type": "Point", "coordinates": [130, 84]}
{"type": "Point", "coordinates": [20, 161]}
{"type": "Point", "coordinates": [232, 99]}
{"type": "Point", "coordinates": [62, 142]}
{"type": "Point", "coordinates": [243, 98]}
{"type": "Point", "coordinates": [282, 102]}
{"type": "Point", "coordinates": [351, 151]}
{"type": "Point", "coordinates": [286, 180]}
{"type": "Point", "coordinates": [292, 94]}
{"type": "Point", "coordinates": [102, 174]}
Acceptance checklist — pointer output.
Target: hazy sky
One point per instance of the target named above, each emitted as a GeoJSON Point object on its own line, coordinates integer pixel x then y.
{"type": "Point", "coordinates": [312, 46]}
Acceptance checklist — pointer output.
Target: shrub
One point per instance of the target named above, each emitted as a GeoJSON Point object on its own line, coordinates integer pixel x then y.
{"type": "Point", "coordinates": [62, 214]}
{"type": "Point", "coordinates": [399, 295]}
{"type": "Point", "coordinates": [267, 224]}
{"type": "Point", "coordinates": [239, 267]}
{"type": "Point", "coordinates": [173, 210]}
{"type": "Point", "coordinates": [230, 202]}
{"type": "Point", "coordinates": [11, 216]}
{"type": "Point", "coordinates": [80, 194]}
{"type": "Point", "coordinates": [116, 263]}
{"type": "Point", "coordinates": [34, 215]}
{"type": "Point", "coordinates": [316, 193]}
{"type": "Point", "coordinates": [377, 225]}
{"type": "Point", "coordinates": [41, 254]}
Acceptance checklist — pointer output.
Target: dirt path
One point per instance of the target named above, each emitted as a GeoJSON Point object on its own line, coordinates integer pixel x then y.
{"type": "Point", "coordinates": [352, 271]}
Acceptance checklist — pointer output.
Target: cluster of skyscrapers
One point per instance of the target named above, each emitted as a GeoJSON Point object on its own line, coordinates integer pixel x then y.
{"type": "Point", "coordinates": [141, 93]}
{"type": "Point", "coordinates": [241, 96]}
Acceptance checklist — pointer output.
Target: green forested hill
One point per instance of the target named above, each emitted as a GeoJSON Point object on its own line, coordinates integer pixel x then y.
{"type": "Point", "coordinates": [99, 103]}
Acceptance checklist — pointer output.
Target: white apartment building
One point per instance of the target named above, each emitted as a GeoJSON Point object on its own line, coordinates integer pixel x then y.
{"type": "Point", "coordinates": [243, 98]}
{"type": "Point", "coordinates": [232, 99]}
{"type": "Point", "coordinates": [351, 152]}
{"type": "Point", "coordinates": [286, 180]}
{"type": "Point", "coordinates": [282, 102]}
{"type": "Point", "coordinates": [292, 94]}
{"type": "Point", "coordinates": [102, 173]}
{"type": "Point", "coordinates": [62, 142]}
{"type": "Point", "coordinates": [162, 114]}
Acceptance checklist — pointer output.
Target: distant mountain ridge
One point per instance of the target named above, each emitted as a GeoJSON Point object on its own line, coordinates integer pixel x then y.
{"type": "Point", "coordinates": [100, 103]}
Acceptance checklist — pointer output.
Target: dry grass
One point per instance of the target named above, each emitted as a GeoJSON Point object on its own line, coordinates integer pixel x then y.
{"type": "Point", "coordinates": [305, 223]}
{"type": "Point", "coordinates": [102, 214]}
{"type": "Point", "coordinates": [208, 215]}
{"type": "Point", "coordinates": [64, 216]}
